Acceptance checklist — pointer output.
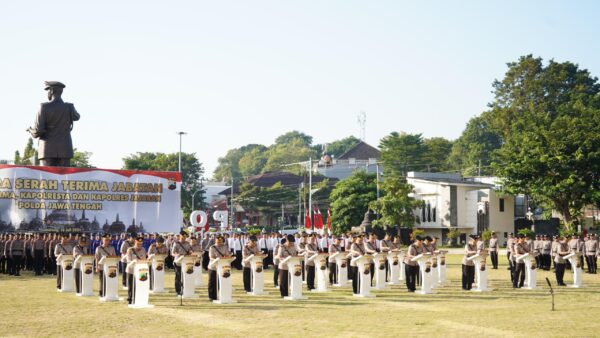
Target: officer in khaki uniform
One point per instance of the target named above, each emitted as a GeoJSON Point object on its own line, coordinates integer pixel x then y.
{"type": "Point", "coordinates": [334, 248]}
{"type": "Point", "coordinates": [218, 250]}
{"type": "Point", "coordinates": [411, 268]}
{"type": "Point", "coordinates": [591, 248]}
{"type": "Point", "coordinates": [468, 267]}
{"type": "Point", "coordinates": [286, 249]}
{"type": "Point", "coordinates": [17, 253]}
{"type": "Point", "coordinates": [155, 248]}
{"type": "Point", "coordinates": [494, 247]}
{"type": "Point", "coordinates": [181, 247]}
{"type": "Point", "coordinates": [251, 248]}
{"type": "Point", "coordinates": [80, 249]}
{"type": "Point", "coordinates": [135, 253]}
{"type": "Point", "coordinates": [62, 248]}
{"type": "Point", "coordinates": [310, 249]}
{"type": "Point", "coordinates": [520, 248]}
{"type": "Point", "coordinates": [104, 250]}
{"type": "Point", "coordinates": [561, 250]}
{"type": "Point", "coordinates": [2, 256]}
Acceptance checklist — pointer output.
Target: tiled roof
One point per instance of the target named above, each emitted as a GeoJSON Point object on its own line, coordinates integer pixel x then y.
{"type": "Point", "coordinates": [361, 151]}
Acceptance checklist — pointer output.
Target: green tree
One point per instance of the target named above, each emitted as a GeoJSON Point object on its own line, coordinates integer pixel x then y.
{"type": "Point", "coordinates": [549, 120]}
{"type": "Point", "coordinates": [253, 161]}
{"type": "Point", "coordinates": [29, 155]}
{"type": "Point", "coordinates": [281, 154]}
{"type": "Point", "coordinates": [350, 200]}
{"type": "Point", "coordinates": [437, 150]}
{"type": "Point", "coordinates": [395, 207]}
{"type": "Point", "coordinates": [81, 159]}
{"type": "Point", "coordinates": [339, 147]}
{"type": "Point", "coordinates": [471, 153]}
{"type": "Point", "coordinates": [402, 152]}
{"type": "Point", "coordinates": [191, 168]}
{"type": "Point", "coordinates": [293, 136]}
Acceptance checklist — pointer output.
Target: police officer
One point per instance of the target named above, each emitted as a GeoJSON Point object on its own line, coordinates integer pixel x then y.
{"type": "Point", "coordinates": [520, 248]}
{"type": "Point", "coordinates": [334, 248]}
{"type": "Point", "coordinates": [2, 256]}
{"type": "Point", "coordinates": [155, 248]}
{"type": "Point", "coordinates": [80, 249]}
{"type": "Point", "coordinates": [310, 250]}
{"type": "Point", "coordinates": [286, 249]}
{"type": "Point", "coordinates": [509, 247]}
{"type": "Point", "coordinates": [276, 262]}
{"type": "Point", "coordinates": [104, 250]}
{"type": "Point", "coordinates": [218, 250]}
{"type": "Point", "coordinates": [17, 253]}
{"type": "Point", "coordinates": [251, 248]}
{"type": "Point", "coordinates": [561, 250]}
{"type": "Point", "coordinates": [546, 250]}
{"type": "Point", "coordinates": [62, 248]}
{"type": "Point", "coordinates": [206, 243]}
{"type": "Point", "coordinates": [370, 249]}
{"type": "Point", "coordinates": [468, 267]}
{"type": "Point", "coordinates": [494, 247]}
{"type": "Point", "coordinates": [181, 247]}
{"type": "Point", "coordinates": [411, 268]}
{"type": "Point", "coordinates": [125, 245]}
{"type": "Point", "coordinates": [591, 248]}
{"type": "Point", "coordinates": [135, 253]}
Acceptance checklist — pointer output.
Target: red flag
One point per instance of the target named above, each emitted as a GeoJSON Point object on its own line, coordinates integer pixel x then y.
{"type": "Point", "coordinates": [307, 222]}
{"type": "Point", "coordinates": [320, 217]}
{"type": "Point", "coordinates": [329, 220]}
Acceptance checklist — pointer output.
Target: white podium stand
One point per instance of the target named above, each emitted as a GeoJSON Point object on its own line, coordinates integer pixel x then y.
{"type": "Point", "coordinates": [441, 267]}
{"type": "Point", "coordinates": [401, 255]}
{"type": "Point", "coordinates": [158, 273]}
{"type": "Point", "coordinates": [364, 275]}
{"type": "Point", "coordinates": [295, 270]}
{"type": "Point", "coordinates": [320, 260]}
{"type": "Point", "coordinates": [188, 287]}
{"type": "Point", "coordinates": [379, 260]}
{"type": "Point", "coordinates": [481, 273]}
{"type": "Point", "coordinates": [224, 283]}
{"type": "Point", "coordinates": [424, 261]}
{"type": "Point", "coordinates": [141, 285]}
{"type": "Point", "coordinates": [67, 283]}
{"type": "Point", "coordinates": [341, 263]}
{"type": "Point", "coordinates": [394, 263]}
{"type": "Point", "coordinates": [258, 274]}
{"type": "Point", "coordinates": [530, 270]}
{"type": "Point", "coordinates": [576, 268]}
{"type": "Point", "coordinates": [110, 268]}
{"type": "Point", "coordinates": [86, 278]}
{"type": "Point", "coordinates": [198, 269]}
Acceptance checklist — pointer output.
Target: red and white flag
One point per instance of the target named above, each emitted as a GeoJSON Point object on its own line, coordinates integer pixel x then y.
{"type": "Point", "coordinates": [328, 220]}
{"type": "Point", "coordinates": [307, 223]}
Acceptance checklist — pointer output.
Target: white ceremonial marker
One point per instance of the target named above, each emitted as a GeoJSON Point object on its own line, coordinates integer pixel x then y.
{"type": "Point", "coordinates": [424, 261]}
{"type": "Point", "coordinates": [364, 271]}
{"type": "Point", "coordinates": [158, 273]}
{"type": "Point", "coordinates": [198, 270]}
{"type": "Point", "coordinates": [394, 263]}
{"type": "Point", "coordinates": [530, 269]}
{"type": "Point", "coordinates": [379, 263]}
{"type": "Point", "coordinates": [258, 275]}
{"type": "Point", "coordinates": [342, 268]}
{"type": "Point", "coordinates": [576, 268]}
{"type": "Point", "coordinates": [294, 264]}
{"type": "Point", "coordinates": [481, 272]}
{"type": "Point", "coordinates": [141, 285]}
{"type": "Point", "coordinates": [67, 283]}
{"type": "Point", "coordinates": [111, 281]}
{"type": "Point", "coordinates": [320, 260]}
{"type": "Point", "coordinates": [224, 286]}
{"type": "Point", "coordinates": [86, 266]}
{"type": "Point", "coordinates": [188, 290]}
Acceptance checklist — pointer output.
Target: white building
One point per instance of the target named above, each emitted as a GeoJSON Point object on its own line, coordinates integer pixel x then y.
{"type": "Point", "coordinates": [469, 205]}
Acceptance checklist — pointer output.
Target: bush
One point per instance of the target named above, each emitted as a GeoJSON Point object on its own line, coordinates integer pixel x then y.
{"type": "Point", "coordinates": [527, 233]}
{"type": "Point", "coordinates": [486, 235]}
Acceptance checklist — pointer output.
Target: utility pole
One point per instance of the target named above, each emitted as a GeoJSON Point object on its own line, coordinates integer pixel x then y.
{"type": "Point", "coordinates": [479, 169]}
{"type": "Point", "coordinates": [300, 203]}
{"type": "Point", "coordinates": [231, 207]}
{"type": "Point", "coordinates": [180, 133]}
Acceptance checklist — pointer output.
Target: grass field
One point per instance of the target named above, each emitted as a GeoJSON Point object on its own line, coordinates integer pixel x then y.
{"type": "Point", "coordinates": [30, 306]}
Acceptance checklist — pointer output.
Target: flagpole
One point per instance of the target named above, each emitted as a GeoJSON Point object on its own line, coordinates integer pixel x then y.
{"type": "Point", "coordinates": [310, 192]}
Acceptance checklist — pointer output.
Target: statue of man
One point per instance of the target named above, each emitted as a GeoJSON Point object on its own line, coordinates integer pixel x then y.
{"type": "Point", "coordinates": [53, 125]}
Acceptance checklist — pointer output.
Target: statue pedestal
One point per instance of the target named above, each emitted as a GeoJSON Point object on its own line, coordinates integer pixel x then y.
{"type": "Point", "coordinates": [141, 285]}
{"type": "Point", "coordinates": [379, 260]}
{"type": "Point", "coordinates": [225, 288]}
{"type": "Point", "coordinates": [67, 281]}
{"type": "Point", "coordinates": [158, 273]}
{"type": "Point", "coordinates": [258, 275]}
{"type": "Point", "coordinates": [198, 269]}
{"type": "Point", "coordinates": [441, 268]}
{"type": "Point", "coordinates": [530, 270]}
{"type": "Point", "coordinates": [86, 278]}
{"type": "Point", "coordinates": [188, 289]}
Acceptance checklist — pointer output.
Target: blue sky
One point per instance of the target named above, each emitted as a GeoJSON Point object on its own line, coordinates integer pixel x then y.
{"type": "Point", "coordinates": [236, 72]}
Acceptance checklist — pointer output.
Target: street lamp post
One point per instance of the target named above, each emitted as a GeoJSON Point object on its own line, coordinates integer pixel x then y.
{"type": "Point", "coordinates": [180, 133]}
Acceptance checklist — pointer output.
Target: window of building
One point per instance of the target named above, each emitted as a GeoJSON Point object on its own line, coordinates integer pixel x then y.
{"type": "Point", "coordinates": [502, 205]}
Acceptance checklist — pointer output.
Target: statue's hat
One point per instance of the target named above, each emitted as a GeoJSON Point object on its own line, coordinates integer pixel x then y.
{"type": "Point", "coordinates": [53, 84]}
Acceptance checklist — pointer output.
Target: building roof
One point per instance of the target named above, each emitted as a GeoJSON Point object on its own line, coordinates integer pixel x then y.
{"type": "Point", "coordinates": [361, 151]}
{"type": "Point", "coordinates": [457, 182]}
